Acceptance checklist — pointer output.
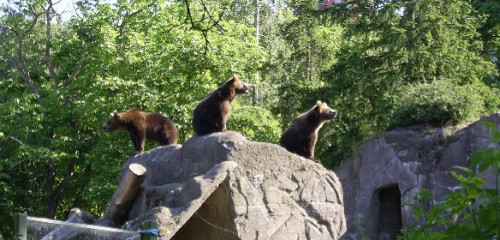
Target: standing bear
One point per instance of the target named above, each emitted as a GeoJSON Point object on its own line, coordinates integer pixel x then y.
{"type": "Point", "coordinates": [212, 113]}
{"type": "Point", "coordinates": [302, 135]}
{"type": "Point", "coordinates": [141, 125]}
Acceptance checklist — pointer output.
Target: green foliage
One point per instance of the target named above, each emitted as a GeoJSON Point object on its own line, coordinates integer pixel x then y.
{"type": "Point", "coordinates": [310, 41]}
{"type": "Point", "coordinates": [489, 29]}
{"type": "Point", "coordinates": [255, 123]}
{"type": "Point", "coordinates": [473, 212]}
{"type": "Point", "coordinates": [312, 48]}
{"type": "Point", "coordinates": [490, 26]}
{"type": "Point", "coordinates": [6, 225]}
{"type": "Point", "coordinates": [442, 103]}
{"type": "Point", "coordinates": [379, 68]}
{"type": "Point", "coordinates": [390, 56]}
{"type": "Point", "coordinates": [53, 152]}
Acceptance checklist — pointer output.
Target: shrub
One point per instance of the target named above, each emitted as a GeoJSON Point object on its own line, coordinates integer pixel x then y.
{"type": "Point", "coordinates": [442, 103]}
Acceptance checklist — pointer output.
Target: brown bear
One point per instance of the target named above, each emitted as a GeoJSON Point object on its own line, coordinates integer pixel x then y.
{"type": "Point", "coordinates": [141, 125]}
{"type": "Point", "coordinates": [302, 135]}
{"type": "Point", "coordinates": [212, 113]}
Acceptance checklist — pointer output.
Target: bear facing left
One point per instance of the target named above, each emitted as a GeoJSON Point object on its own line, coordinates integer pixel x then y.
{"type": "Point", "coordinates": [141, 126]}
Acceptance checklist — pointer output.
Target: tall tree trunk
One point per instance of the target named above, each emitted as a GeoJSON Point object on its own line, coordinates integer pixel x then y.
{"type": "Point", "coordinates": [256, 20]}
{"type": "Point", "coordinates": [255, 98]}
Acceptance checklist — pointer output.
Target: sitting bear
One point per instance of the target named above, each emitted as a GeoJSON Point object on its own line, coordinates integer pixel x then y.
{"type": "Point", "coordinates": [302, 135]}
{"type": "Point", "coordinates": [141, 125]}
{"type": "Point", "coordinates": [212, 113]}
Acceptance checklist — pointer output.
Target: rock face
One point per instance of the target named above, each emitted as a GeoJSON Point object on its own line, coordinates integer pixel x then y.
{"type": "Point", "coordinates": [221, 186]}
{"type": "Point", "coordinates": [387, 171]}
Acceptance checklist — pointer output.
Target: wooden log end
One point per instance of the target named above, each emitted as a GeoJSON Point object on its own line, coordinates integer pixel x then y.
{"type": "Point", "coordinates": [137, 169]}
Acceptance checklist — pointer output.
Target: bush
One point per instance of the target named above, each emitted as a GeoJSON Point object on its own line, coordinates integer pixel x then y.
{"type": "Point", "coordinates": [442, 103]}
{"type": "Point", "coordinates": [6, 225]}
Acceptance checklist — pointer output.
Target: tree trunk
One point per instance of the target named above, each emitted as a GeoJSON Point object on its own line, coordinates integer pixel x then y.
{"type": "Point", "coordinates": [255, 97]}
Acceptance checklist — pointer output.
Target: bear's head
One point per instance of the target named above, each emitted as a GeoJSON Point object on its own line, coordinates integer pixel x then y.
{"type": "Point", "coordinates": [325, 113]}
{"type": "Point", "coordinates": [113, 122]}
{"type": "Point", "coordinates": [236, 86]}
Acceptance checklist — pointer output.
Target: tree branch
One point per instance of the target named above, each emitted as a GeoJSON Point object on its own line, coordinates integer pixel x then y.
{"type": "Point", "coordinates": [33, 23]}
{"type": "Point", "coordinates": [79, 196]}
{"type": "Point", "coordinates": [16, 140]}
{"type": "Point", "coordinates": [129, 15]}
{"type": "Point", "coordinates": [19, 62]}
{"type": "Point", "coordinates": [125, 21]}
{"type": "Point", "coordinates": [10, 29]}
{"type": "Point", "coordinates": [50, 178]}
{"type": "Point", "coordinates": [50, 64]}
{"type": "Point", "coordinates": [195, 24]}
{"type": "Point", "coordinates": [57, 194]}
{"type": "Point", "coordinates": [215, 22]}
{"type": "Point", "coordinates": [78, 66]}
{"type": "Point", "coordinates": [48, 56]}
{"type": "Point", "coordinates": [25, 76]}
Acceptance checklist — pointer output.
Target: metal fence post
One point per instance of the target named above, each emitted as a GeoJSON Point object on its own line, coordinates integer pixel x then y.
{"type": "Point", "coordinates": [20, 226]}
{"type": "Point", "coordinates": [149, 230]}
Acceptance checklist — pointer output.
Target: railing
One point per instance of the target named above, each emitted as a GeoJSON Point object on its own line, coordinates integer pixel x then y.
{"type": "Point", "coordinates": [34, 228]}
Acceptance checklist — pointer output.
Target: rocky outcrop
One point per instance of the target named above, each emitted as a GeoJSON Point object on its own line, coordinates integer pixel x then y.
{"type": "Point", "coordinates": [221, 186]}
{"type": "Point", "coordinates": [386, 172]}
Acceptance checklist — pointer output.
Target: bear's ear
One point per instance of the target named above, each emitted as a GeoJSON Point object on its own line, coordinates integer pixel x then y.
{"type": "Point", "coordinates": [115, 114]}
{"type": "Point", "coordinates": [234, 79]}
{"type": "Point", "coordinates": [319, 105]}
{"type": "Point", "coordinates": [230, 81]}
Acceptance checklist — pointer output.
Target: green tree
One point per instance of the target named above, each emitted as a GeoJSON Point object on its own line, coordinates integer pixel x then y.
{"type": "Point", "coordinates": [312, 49]}
{"type": "Point", "coordinates": [490, 27]}
{"type": "Point", "coordinates": [40, 153]}
{"type": "Point", "coordinates": [60, 81]}
{"type": "Point", "coordinates": [393, 45]}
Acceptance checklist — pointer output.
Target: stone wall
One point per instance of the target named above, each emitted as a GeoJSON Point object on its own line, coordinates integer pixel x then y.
{"type": "Point", "coordinates": [404, 161]}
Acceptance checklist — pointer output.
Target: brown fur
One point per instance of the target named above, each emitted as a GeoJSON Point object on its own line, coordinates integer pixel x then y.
{"type": "Point", "coordinates": [141, 126]}
{"type": "Point", "coordinates": [212, 113]}
{"type": "Point", "coordinates": [302, 135]}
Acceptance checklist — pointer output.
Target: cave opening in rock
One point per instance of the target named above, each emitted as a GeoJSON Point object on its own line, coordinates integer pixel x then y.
{"type": "Point", "coordinates": [389, 222]}
{"type": "Point", "coordinates": [213, 220]}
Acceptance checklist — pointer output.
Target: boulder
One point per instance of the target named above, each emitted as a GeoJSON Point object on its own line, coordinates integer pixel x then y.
{"type": "Point", "coordinates": [221, 186]}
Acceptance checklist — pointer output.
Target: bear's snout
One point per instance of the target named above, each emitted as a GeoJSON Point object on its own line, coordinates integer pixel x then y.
{"type": "Point", "coordinates": [245, 88]}
{"type": "Point", "coordinates": [332, 114]}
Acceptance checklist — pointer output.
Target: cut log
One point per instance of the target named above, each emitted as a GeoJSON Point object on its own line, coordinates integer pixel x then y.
{"type": "Point", "coordinates": [124, 197]}
{"type": "Point", "coordinates": [65, 232]}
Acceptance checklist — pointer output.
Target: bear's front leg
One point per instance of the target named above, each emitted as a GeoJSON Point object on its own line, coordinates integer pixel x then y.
{"type": "Point", "coordinates": [141, 140]}
{"type": "Point", "coordinates": [138, 143]}
{"type": "Point", "coordinates": [223, 122]}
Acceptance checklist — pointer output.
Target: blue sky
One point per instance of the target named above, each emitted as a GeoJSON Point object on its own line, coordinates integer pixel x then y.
{"type": "Point", "coordinates": [64, 7]}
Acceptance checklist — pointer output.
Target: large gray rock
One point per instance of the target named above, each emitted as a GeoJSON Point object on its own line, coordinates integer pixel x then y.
{"type": "Point", "coordinates": [386, 172]}
{"type": "Point", "coordinates": [221, 186]}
